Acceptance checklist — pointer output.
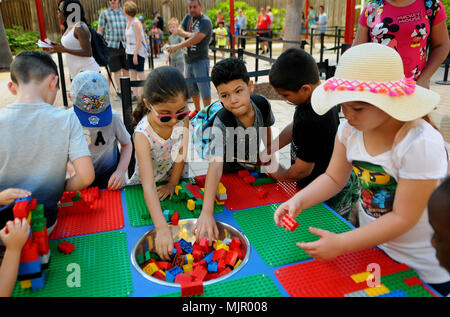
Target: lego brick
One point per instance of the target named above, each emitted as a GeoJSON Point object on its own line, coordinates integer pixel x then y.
{"type": "Point", "coordinates": [208, 258]}
{"type": "Point", "coordinates": [66, 247]}
{"type": "Point", "coordinates": [178, 260]}
{"type": "Point", "coordinates": [396, 293]}
{"type": "Point", "coordinates": [192, 288]}
{"type": "Point", "coordinates": [151, 268]}
{"type": "Point", "coordinates": [175, 218]}
{"type": "Point", "coordinates": [183, 278]}
{"type": "Point", "coordinates": [219, 254]}
{"type": "Point", "coordinates": [185, 246]}
{"type": "Point", "coordinates": [212, 267]}
{"type": "Point", "coordinates": [357, 294]}
{"type": "Point", "coordinates": [30, 267]}
{"type": "Point", "coordinates": [25, 284]}
{"type": "Point", "coordinates": [172, 273]}
{"type": "Point", "coordinates": [231, 258]}
{"type": "Point", "coordinates": [257, 224]}
{"type": "Point", "coordinates": [39, 282]}
{"type": "Point", "coordinates": [377, 290]}
{"type": "Point", "coordinates": [263, 181]}
{"type": "Point", "coordinates": [289, 223]}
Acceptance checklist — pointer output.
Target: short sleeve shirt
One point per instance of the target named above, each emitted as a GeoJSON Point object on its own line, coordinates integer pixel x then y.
{"type": "Point", "coordinates": [103, 144]}
{"type": "Point", "coordinates": [203, 25]}
{"type": "Point", "coordinates": [313, 139]}
{"type": "Point", "coordinates": [406, 29]}
{"type": "Point", "coordinates": [37, 142]}
{"type": "Point", "coordinates": [114, 23]}
{"type": "Point", "coordinates": [263, 22]}
{"type": "Point", "coordinates": [223, 145]}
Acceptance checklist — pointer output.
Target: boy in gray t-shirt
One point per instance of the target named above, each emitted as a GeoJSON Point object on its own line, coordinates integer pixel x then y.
{"type": "Point", "coordinates": [37, 139]}
{"type": "Point", "coordinates": [103, 128]}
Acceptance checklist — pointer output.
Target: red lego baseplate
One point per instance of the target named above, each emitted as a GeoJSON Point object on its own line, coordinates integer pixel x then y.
{"type": "Point", "coordinates": [242, 195]}
{"type": "Point", "coordinates": [333, 278]}
{"type": "Point", "coordinates": [104, 214]}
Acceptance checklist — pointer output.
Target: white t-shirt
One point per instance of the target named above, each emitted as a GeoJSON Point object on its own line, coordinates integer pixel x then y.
{"type": "Point", "coordinates": [419, 155]}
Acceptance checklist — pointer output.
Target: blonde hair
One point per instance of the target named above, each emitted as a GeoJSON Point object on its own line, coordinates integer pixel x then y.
{"type": "Point", "coordinates": [130, 8]}
{"type": "Point", "coordinates": [172, 21]}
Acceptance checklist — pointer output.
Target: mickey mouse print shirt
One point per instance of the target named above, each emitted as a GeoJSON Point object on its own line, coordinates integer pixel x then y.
{"type": "Point", "coordinates": [406, 29]}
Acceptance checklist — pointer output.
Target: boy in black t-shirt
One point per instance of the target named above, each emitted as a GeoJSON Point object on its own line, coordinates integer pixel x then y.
{"type": "Point", "coordinates": [295, 75]}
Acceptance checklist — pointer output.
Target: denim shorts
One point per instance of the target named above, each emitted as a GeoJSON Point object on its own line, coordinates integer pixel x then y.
{"type": "Point", "coordinates": [199, 69]}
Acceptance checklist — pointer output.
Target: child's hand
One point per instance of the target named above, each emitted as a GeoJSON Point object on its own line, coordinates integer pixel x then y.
{"type": "Point", "coordinates": [8, 196]}
{"type": "Point", "coordinates": [19, 231]}
{"type": "Point", "coordinates": [206, 225]}
{"type": "Point", "coordinates": [290, 207]}
{"type": "Point", "coordinates": [326, 248]}
{"type": "Point", "coordinates": [117, 180]}
{"type": "Point", "coordinates": [165, 191]}
{"type": "Point", "coordinates": [164, 243]}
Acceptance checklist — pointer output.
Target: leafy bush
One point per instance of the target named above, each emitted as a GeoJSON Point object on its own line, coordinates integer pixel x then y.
{"type": "Point", "coordinates": [251, 13]}
{"type": "Point", "coordinates": [19, 40]}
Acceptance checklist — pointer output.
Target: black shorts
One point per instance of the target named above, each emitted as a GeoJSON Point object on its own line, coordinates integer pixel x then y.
{"type": "Point", "coordinates": [117, 59]}
{"type": "Point", "coordinates": [139, 67]}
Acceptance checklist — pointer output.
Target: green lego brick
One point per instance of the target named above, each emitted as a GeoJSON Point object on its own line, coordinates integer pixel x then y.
{"type": "Point", "coordinates": [261, 286]}
{"type": "Point", "coordinates": [140, 216]}
{"type": "Point", "coordinates": [278, 247]}
{"type": "Point", "coordinates": [77, 197]}
{"type": "Point", "coordinates": [102, 261]}
{"type": "Point", "coordinates": [263, 181]}
{"type": "Point", "coordinates": [395, 282]}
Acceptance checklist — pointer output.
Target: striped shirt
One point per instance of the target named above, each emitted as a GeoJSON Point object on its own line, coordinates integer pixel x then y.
{"type": "Point", "coordinates": [114, 23]}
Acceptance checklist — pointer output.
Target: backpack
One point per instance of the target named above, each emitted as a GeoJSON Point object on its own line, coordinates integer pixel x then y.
{"type": "Point", "coordinates": [99, 48]}
{"type": "Point", "coordinates": [203, 122]}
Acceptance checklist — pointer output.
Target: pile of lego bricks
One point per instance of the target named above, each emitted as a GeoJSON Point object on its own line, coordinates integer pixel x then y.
{"type": "Point", "coordinates": [193, 264]}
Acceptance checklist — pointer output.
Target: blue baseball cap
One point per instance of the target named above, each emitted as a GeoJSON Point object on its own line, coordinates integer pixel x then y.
{"type": "Point", "coordinates": [90, 92]}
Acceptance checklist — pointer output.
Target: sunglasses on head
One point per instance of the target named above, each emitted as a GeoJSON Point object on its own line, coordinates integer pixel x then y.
{"type": "Point", "coordinates": [164, 118]}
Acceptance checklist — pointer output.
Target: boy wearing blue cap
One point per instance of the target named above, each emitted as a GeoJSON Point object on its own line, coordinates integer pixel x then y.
{"type": "Point", "coordinates": [103, 128]}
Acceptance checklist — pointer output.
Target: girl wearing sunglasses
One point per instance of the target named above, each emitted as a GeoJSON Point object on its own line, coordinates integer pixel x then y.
{"type": "Point", "coordinates": [161, 143]}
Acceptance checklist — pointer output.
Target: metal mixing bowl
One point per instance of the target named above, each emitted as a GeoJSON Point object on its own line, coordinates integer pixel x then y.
{"type": "Point", "coordinates": [184, 230]}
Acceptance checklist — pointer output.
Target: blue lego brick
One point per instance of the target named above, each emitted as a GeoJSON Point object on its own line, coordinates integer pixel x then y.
{"type": "Point", "coordinates": [28, 199]}
{"type": "Point", "coordinates": [255, 175]}
{"type": "Point", "coordinates": [186, 246]}
{"type": "Point", "coordinates": [208, 258]}
{"type": "Point", "coordinates": [173, 253]}
{"type": "Point", "coordinates": [212, 267]}
{"type": "Point", "coordinates": [38, 283]}
{"type": "Point", "coordinates": [396, 293]}
{"type": "Point", "coordinates": [166, 214]}
{"type": "Point", "coordinates": [30, 267]}
{"type": "Point", "coordinates": [172, 273]}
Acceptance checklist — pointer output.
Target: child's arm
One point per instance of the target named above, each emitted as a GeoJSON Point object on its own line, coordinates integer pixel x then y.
{"type": "Point", "coordinates": [8, 196]}
{"type": "Point", "coordinates": [296, 172]}
{"type": "Point", "coordinates": [14, 241]}
{"type": "Point", "coordinates": [117, 179]}
{"type": "Point", "coordinates": [206, 223]}
{"type": "Point", "coordinates": [167, 190]}
{"type": "Point", "coordinates": [411, 197]}
{"type": "Point", "coordinates": [84, 174]}
{"type": "Point", "coordinates": [322, 188]}
{"type": "Point", "coordinates": [163, 240]}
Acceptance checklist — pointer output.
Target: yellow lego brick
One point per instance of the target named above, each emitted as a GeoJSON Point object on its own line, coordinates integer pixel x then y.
{"type": "Point", "coordinates": [377, 290]}
{"type": "Point", "coordinates": [216, 244]}
{"type": "Point", "coordinates": [190, 258]}
{"type": "Point", "coordinates": [183, 235]}
{"type": "Point", "coordinates": [221, 189]}
{"type": "Point", "coordinates": [223, 246]}
{"type": "Point", "coordinates": [237, 263]}
{"type": "Point", "coordinates": [177, 189]}
{"type": "Point", "coordinates": [361, 277]}
{"type": "Point", "coordinates": [219, 202]}
{"type": "Point", "coordinates": [191, 204]}
{"type": "Point", "coordinates": [150, 242]}
{"type": "Point", "coordinates": [187, 268]}
{"type": "Point", "coordinates": [151, 268]}
{"type": "Point", "coordinates": [25, 284]}
{"type": "Point", "coordinates": [29, 222]}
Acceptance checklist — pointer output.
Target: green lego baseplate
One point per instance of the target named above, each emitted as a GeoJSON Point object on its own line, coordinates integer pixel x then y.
{"type": "Point", "coordinates": [396, 282]}
{"type": "Point", "coordinates": [102, 262]}
{"type": "Point", "coordinates": [257, 285]}
{"type": "Point", "coordinates": [278, 247]}
{"type": "Point", "coordinates": [139, 215]}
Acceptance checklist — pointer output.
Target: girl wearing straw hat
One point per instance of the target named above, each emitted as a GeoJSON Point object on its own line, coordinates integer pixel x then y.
{"type": "Point", "coordinates": [397, 156]}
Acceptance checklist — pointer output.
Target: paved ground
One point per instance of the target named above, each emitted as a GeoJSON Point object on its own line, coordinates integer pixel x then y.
{"type": "Point", "coordinates": [283, 111]}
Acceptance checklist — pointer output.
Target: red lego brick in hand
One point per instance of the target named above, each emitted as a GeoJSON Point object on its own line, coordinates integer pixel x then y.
{"type": "Point", "coordinates": [192, 288]}
{"type": "Point", "coordinates": [243, 173]}
{"type": "Point", "coordinates": [289, 223]}
{"type": "Point", "coordinates": [175, 218]}
{"type": "Point", "coordinates": [21, 209]}
{"type": "Point", "coordinates": [66, 247]}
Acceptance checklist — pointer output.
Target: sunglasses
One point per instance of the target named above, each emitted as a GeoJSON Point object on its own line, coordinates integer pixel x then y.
{"type": "Point", "coordinates": [164, 118]}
